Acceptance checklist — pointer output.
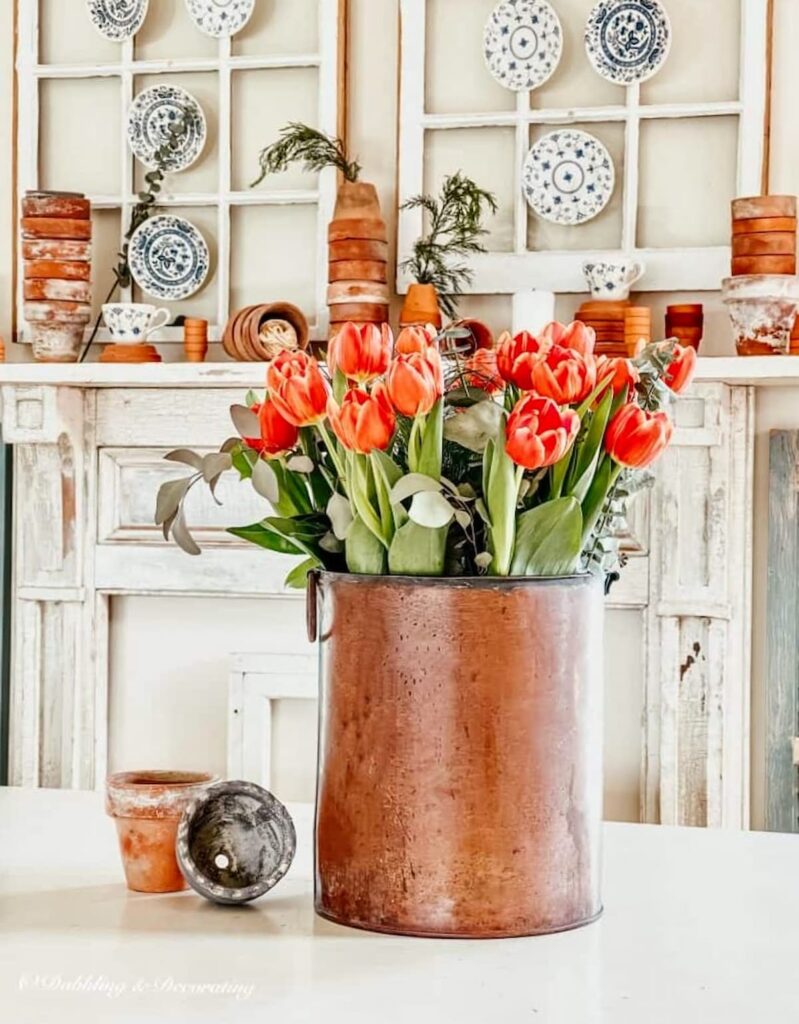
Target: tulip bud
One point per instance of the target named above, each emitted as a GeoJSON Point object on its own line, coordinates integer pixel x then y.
{"type": "Point", "coordinates": [278, 436]}
{"type": "Point", "coordinates": [624, 375]}
{"type": "Point", "coordinates": [482, 373]}
{"type": "Point", "coordinates": [363, 422]}
{"type": "Point", "coordinates": [415, 382]}
{"type": "Point", "coordinates": [564, 375]}
{"type": "Point", "coordinates": [297, 388]}
{"type": "Point", "coordinates": [635, 437]}
{"type": "Point", "coordinates": [681, 369]}
{"type": "Point", "coordinates": [517, 356]}
{"type": "Point", "coordinates": [538, 433]}
{"type": "Point", "coordinates": [415, 339]}
{"type": "Point", "coordinates": [575, 336]}
{"type": "Point", "coordinates": [360, 351]}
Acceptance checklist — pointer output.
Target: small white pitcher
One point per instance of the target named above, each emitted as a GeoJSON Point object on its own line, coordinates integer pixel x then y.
{"type": "Point", "coordinates": [612, 279]}
{"type": "Point", "coordinates": [133, 321]}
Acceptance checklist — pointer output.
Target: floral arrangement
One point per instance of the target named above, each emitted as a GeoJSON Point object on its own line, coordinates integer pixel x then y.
{"type": "Point", "coordinates": [514, 461]}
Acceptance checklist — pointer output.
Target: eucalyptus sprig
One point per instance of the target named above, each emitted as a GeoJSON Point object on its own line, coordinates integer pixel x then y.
{"type": "Point", "coordinates": [142, 211]}
{"type": "Point", "coordinates": [455, 229]}
{"type": "Point", "coordinates": [316, 150]}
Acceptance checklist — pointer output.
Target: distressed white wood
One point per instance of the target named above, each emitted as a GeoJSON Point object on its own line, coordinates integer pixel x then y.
{"type": "Point", "coordinates": [256, 681]}
{"type": "Point", "coordinates": [30, 72]}
{"type": "Point", "coordinates": [694, 269]}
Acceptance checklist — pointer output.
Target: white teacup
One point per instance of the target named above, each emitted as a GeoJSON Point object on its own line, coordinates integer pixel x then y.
{"type": "Point", "coordinates": [134, 321]}
{"type": "Point", "coordinates": [612, 279]}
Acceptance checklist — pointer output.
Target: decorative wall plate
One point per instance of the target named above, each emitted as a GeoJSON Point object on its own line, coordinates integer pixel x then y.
{"type": "Point", "coordinates": [117, 19]}
{"type": "Point", "coordinates": [628, 40]}
{"type": "Point", "coordinates": [523, 43]}
{"type": "Point", "coordinates": [168, 257]}
{"type": "Point", "coordinates": [568, 177]}
{"type": "Point", "coordinates": [220, 18]}
{"type": "Point", "coordinates": [151, 115]}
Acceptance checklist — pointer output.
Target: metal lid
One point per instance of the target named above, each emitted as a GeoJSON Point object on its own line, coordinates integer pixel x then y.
{"type": "Point", "coordinates": [235, 842]}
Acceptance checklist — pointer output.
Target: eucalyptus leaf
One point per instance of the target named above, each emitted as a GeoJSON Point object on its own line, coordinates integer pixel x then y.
{"type": "Point", "coordinates": [251, 399]}
{"type": "Point", "coordinates": [474, 427]}
{"type": "Point", "coordinates": [431, 509]}
{"type": "Point", "coordinates": [181, 534]}
{"type": "Point", "coordinates": [411, 484]}
{"type": "Point", "coordinates": [186, 458]}
{"type": "Point", "coordinates": [463, 519]}
{"type": "Point", "coordinates": [265, 482]}
{"type": "Point", "coordinates": [331, 543]}
{"type": "Point", "coordinates": [170, 495]}
{"type": "Point", "coordinates": [339, 512]}
{"type": "Point", "coordinates": [548, 539]}
{"type": "Point", "coordinates": [215, 464]}
{"type": "Point", "coordinates": [483, 560]}
{"type": "Point", "coordinates": [301, 464]}
{"type": "Point", "coordinates": [245, 421]}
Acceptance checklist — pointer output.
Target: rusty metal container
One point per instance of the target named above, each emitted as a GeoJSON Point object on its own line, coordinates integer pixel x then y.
{"type": "Point", "coordinates": [459, 787]}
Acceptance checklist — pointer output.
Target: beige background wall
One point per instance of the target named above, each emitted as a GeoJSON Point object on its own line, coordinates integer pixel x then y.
{"type": "Point", "coordinates": [170, 659]}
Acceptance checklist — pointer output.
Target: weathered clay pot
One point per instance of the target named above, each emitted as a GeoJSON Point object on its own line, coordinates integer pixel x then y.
{"type": "Point", "coordinates": [358, 254]}
{"type": "Point", "coordinates": [421, 306]}
{"type": "Point", "coordinates": [146, 807]}
{"type": "Point", "coordinates": [460, 754]}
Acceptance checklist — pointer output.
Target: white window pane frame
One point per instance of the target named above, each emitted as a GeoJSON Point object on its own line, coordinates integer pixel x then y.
{"type": "Point", "coordinates": [668, 269]}
{"type": "Point", "coordinates": [329, 62]}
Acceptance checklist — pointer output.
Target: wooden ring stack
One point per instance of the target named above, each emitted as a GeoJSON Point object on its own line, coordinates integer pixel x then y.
{"type": "Point", "coordinates": [608, 319]}
{"type": "Point", "coordinates": [686, 323]}
{"type": "Point", "coordinates": [56, 252]}
{"type": "Point", "coordinates": [764, 235]}
{"type": "Point", "coordinates": [256, 334]}
{"type": "Point", "coordinates": [358, 258]}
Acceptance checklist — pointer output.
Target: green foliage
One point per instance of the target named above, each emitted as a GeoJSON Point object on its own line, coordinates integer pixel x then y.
{"type": "Point", "coordinates": [455, 227]}
{"type": "Point", "coordinates": [314, 149]}
{"type": "Point", "coordinates": [548, 539]}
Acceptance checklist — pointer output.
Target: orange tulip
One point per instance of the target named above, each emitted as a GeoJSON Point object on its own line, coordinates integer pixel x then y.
{"type": "Point", "coordinates": [363, 422]}
{"type": "Point", "coordinates": [625, 375]}
{"type": "Point", "coordinates": [415, 339]}
{"type": "Point", "coordinates": [635, 437]}
{"type": "Point", "coordinates": [481, 371]}
{"type": "Point", "coordinates": [538, 433]}
{"type": "Point", "coordinates": [517, 356]}
{"type": "Point", "coordinates": [278, 436]}
{"type": "Point", "coordinates": [681, 369]}
{"type": "Point", "coordinates": [415, 382]}
{"type": "Point", "coordinates": [575, 336]}
{"type": "Point", "coordinates": [360, 351]}
{"type": "Point", "coordinates": [297, 388]}
{"type": "Point", "coordinates": [564, 375]}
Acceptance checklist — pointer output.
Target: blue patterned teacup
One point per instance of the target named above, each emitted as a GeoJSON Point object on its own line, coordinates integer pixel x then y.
{"type": "Point", "coordinates": [133, 321]}
{"type": "Point", "coordinates": [610, 279]}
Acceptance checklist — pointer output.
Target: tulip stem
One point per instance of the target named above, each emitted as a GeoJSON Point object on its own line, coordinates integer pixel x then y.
{"type": "Point", "coordinates": [331, 448]}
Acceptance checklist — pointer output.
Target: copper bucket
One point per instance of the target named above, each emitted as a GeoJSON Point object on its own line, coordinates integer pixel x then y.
{"type": "Point", "coordinates": [459, 788]}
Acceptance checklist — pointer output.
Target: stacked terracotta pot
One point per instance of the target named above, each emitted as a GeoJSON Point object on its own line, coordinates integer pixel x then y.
{"type": "Point", "coordinates": [686, 323]}
{"type": "Point", "coordinates": [764, 235]}
{"type": "Point", "coordinates": [56, 251]}
{"type": "Point", "coordinates": [258, 333]}
{"type": "Point", "coordinates": [358, 258]}
{"type": "Point", "coordinates": [615, 334]}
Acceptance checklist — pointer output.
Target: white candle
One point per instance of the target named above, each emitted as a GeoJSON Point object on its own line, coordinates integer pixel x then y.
{"type": "Point", "coordinates": [532, 311]}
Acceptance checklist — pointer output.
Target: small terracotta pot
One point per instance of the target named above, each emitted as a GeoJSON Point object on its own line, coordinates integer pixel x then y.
{"type": "Point", "coordinates": [56, 342]}
{"type": "Point", "coordinates": [758, 225]}
{"type": "Point", "coordinates": [56, 227]}
{"type": "Point", "coordinates": [481, 335]}
{"type": "Point", "coordinates": [421, 306]}
{"type": "Point", "coordinates": [765, 243]}
{"type": "Point", "coordinates": [57, 270]}
{"type": "Point", "coordinates": [146, 807]}
{"type": "Point", "coordinates": [749, 207]}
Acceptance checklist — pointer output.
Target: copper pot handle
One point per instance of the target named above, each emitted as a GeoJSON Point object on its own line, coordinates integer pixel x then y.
{"type": "Point", "coordinates": [311, 606]}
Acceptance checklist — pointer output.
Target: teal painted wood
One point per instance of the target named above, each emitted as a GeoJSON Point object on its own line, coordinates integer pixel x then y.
{"type": "Point", "coordinates": [5, 605]}
{"type": "Point", "coordinates": [782, 628]}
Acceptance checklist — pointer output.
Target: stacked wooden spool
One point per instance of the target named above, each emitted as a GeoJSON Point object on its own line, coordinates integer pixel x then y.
{"type": "Point", "coordinates": [621, 328]}
{"type": "Point", "coordinates": [686, 323]}
{"type": "Point", "coordinates": [56, 251]}
{"type": "Point", "coordinates": [764, 235]}
{"type": "Point", "coordinates": [358, 258]}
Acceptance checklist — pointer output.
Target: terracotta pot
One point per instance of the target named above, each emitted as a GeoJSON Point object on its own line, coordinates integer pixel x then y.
{"type": "Point", "coordinates": [71, 291]}
{"type": "Point", "coordinates": [481, 337]}
{"type": "Point", "coordinates": [765, 243]}
{"type": "Point", "coordinates": [750, 207]}
{"type": "Point", "coordinates": [60, 205]}
{"type": "Point", "coordinates": [745, 266]}
{"type": "Point", "coordinates": [146, 807]}
{"type": "Point", "coordinates": [459, 787]}
{"type": "Point", "coordinates": [358, 249]}
{"type": "Point", "coordinates": [421, 306]}
{"type": "Point", "coordinates": [56, 342]}
{"type": "Point", "coordinates": [758, 225]}
{"type": "Point", "coordinates": [56, 249]}
{"type": "Point", "coordinates": [763, 311]}
{"type": "Point", "coordinates": [57, 270]}
{"type": "Point", "coordinates": [365, 271]}
{"type": "Point", "coordinates": [56, 227]}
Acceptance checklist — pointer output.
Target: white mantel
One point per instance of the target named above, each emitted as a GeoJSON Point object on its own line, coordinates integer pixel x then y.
{"type": "Point", "coordinates": [89, 442]}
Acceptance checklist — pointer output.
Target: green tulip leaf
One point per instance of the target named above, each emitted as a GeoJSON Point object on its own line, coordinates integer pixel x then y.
{"type": "Point", "coordinates": [432, 442]}
{"type": "Point", "coordinates": [418, 551]}
{"type": "Point", "coordinates": [365, 553]}
{"type": "Point", "coordinates": [265, 538]}
{"type": "Point", "coordinates": [549, 539]}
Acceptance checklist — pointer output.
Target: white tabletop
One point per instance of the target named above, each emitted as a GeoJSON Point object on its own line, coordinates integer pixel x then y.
{"type": "Point", "coordinates": [699, 927]}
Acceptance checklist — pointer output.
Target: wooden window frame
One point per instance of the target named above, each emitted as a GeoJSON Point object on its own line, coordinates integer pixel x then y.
{"type": "Point", "coordinates": [330, 60]}
{"type": "Point", "coordinates": [671, 269]}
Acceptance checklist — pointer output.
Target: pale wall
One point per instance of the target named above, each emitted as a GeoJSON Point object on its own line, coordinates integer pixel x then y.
{"type": "Point", "coordinates": [178, 672]}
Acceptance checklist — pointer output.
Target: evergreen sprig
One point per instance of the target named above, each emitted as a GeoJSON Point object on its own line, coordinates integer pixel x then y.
{"type": "Point", "coordinates": [455, 229]}
{"type": "Point", "coordinates": [315, 149]}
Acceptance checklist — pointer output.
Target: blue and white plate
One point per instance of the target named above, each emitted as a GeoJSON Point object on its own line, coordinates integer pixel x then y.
{"type": "Point", "coordinates": [568, 177]}
{"type": "Point", "coordinates": [523, 43]}
{"type": "Point", "coordinates": [117, 19]}
{"type": "Point", "coordinates": [150, 117]}
{"type": "Point", "coordinates": [628, 40]}
{"type": "Point", "coordinates": [220, 18]}
{"type": "Point", "coordinates": [168, 257]}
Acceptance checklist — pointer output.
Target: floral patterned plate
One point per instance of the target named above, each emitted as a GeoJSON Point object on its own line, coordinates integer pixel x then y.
{"type": "Point", "coordinates": [117, 19]}
{"type": "Point", "coordinates": [168, 257]}
{"type": "Point", "coordinates": [568, 177]}
{"type": "Point", "coordinates": [523, 43]}
{"type": "Point", "coordinates": [628, 40]}
{"type": "Point", "coordinates": [220, 18]}
{"type": "Point", "coordinates": [150, 117]}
